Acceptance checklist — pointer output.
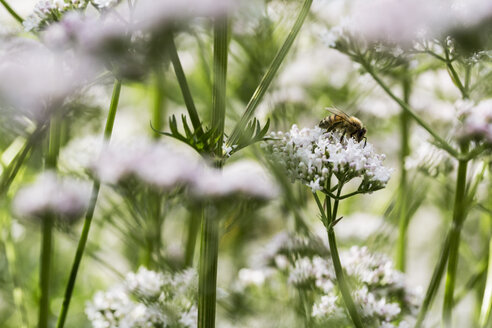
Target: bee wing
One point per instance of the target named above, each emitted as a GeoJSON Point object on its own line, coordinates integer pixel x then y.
{"type": "Point", "coordinates": [338, 112]}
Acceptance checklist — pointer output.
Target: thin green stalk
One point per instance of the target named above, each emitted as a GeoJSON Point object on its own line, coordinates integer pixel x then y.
{"type": "Point", "coordinates": [209, 248]}
{"type": "Point", "coordinates": [269, 75]}
{"type": "Point", "coordinates": [44, 277]}
{"type": "Point", "coordinates": [193, 227]}
{"type": "Point", "coordinates": [14, 166]}
{"type": "Point", "coordinates": [47, 230]}
{"type": "Point", "coordinates": [90, 212]}
{"type": "Point", "coordinates": [10, 256]}
{"type": "Point", "coordinates": [454, 75]}
{"type": "Point", "coordinates": [11, 11]}
{"type": "Point", "coordinates": [446, 146]}
{"type": "Point", "coordinates": [158, 109]}
{"type": "Point", "coordinates": [403, 188]}
{"type": "Point", "coordinates": [219, 83]}
{"type": "Point", "coordinates": [459, 214]}
{"type": "Point", "coordinates": [329, 218]}
{"type": "Point", "coordinates": [479, 274]}
{"type": "Point", "coordinates": [435, 282]}
{"type": "Point", "coordinates": [487, 295]}
{"type": "Point", "coordinates": [185, 90]}
{"type": "Point", "coordinates": [207, 272]}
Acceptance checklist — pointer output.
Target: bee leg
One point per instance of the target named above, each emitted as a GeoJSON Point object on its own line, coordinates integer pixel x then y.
{"type": "Point", "coordinates": [365, 142]}
{"type": "Point", "coordinates": [343, 135]}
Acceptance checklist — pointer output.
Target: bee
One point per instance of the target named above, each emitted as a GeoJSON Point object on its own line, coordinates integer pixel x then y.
{"type": "Point", "coordinates": [349, 125]}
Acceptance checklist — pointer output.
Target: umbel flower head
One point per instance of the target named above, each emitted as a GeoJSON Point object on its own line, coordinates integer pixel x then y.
{"type": "Point", "coordinates": [147, 299]}
{"type": "Point", "coordinates": [314, 156]}
{"type": "Point", "coordinates": [51, 195]}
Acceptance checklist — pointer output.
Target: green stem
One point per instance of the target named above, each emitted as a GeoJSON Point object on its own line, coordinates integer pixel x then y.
{"type": "Point", "coordinates": [207, 273]}
{"type": "Point", "coordinates": [435, 282]}
{"type": "Point", "coordinates": [269, 75]}
{"type": "Point", "coordinates": [487, 295]}
{"type": "Point", "coordinates": [219, 81]}
{"type": "Point", "coordinates": [209, 248]}
{"type": "Point", "coordinates": [454, 75]}
{"type": "Point", "coordinates": [459, 214]}
{"type": "Point", "coordinates": [158, 109]}
{"type": "Point", "coordinates": [44, 278]}
{"type": "Point", "coordinates": [446, 146]}
{"type": "Point", "coordinates": [14, 166]}
{"type": "Point", "coordinates": [90, 212]}
{"type": "Point", "coordinates": [193, 227]}
{"type": "Point", "coordinates": [185, 90]}
{"type": "Point", "coordinates": [403, 188]}
{"type": "Point", "coordinates": [11, 11]}
{"type": "Point", "coordinates": [47, 229]}
{"type": "Point", "coordinates": [10, 256]}
{"type": "Point", "coordinates": [342, 283]}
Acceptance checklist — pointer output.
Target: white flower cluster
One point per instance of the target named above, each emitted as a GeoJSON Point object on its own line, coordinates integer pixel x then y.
{"type": "Point", "coordinates": [312, 156]}
{"type": "Point", "coordinates": [36, 80]}
{"type": "Point", "coordinates": [379, 291]}
{"type": "Point", "coordinates": [477, 124]}
{"type": "Point", "coordinates": [51, 195]}
{"type": "Point", "coordinates": [167, 168]}
{"type": "Point", "coordinates": [147, 299]}
{"type": "Point", "coordinates": [49, 11]}
{"type": "Point", "coordinates": [404, 22]}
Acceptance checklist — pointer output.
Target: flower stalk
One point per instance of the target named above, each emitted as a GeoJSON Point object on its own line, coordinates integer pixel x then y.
{"type": "Point", "coordinates": [328, 219]}
{"type": "Point", "coordinates": [209, 248]}
{"type": "Point", "coordinates": [403, 189]}
{"type": "Point", "coordinates": [90, 212]}
{"type": "Point", "coordinates": [11, 11]}
{"type": "Point", "coordinates": [47, 230]}
{"type": "Point", "coordinates": [459, 215]}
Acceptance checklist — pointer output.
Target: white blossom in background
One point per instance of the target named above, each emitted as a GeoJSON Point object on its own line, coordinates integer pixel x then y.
{"type": "Point", "coordinates": [379, 289]}
{"type": "Point", "coordinates": [37, 80]}
{"type": "Point", "coordinates": [153, 15]}
{"type": "Point", "coordinates": [313, 155]}
{"type": "Point", "coordinates": [153, 163]}
{"type": "Point", "coordinates": [47, 12]}
{"type": "Point", "coordinates": [147, 299]}
{"type": "Point", "coordinates": [252, 277]}
{"type": "Point", "coordinates": [429, 159]}
{"type": "Point", "coordinates": [477, 124]}
{"type": "Point", "coordinates": [359, 226]}
{"type": "Point", "coordinates": [244, 177]}
{"type": "Point", "coordinates": [145, 283]}
{"type": "Point", "coordinates": [104, 4]}
{"type": "Point", "coordinates": [52, 195]}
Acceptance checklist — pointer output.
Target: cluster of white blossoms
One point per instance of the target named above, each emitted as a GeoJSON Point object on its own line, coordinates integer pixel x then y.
{"type": "Point", "coordinates": [477, 124]}
{"type": "Point", "coordinates": [313, 156]}
{"type": "Point", "coordinates": [49, 11]}
{"type": "Point", "coordinates": [380, 291]}
{"type": "Point", "coordinates": [404, 22]}
{"type": "Point", "coordinates": [65, 198]}
{"type": "Point", "coordinates": [147, 299]}
{"type": "Point", "coordinates": [167, 168]}
{"type": "Point", "coordinates": [36, 80]}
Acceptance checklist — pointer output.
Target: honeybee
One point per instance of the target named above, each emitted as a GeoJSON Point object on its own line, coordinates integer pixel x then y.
{"type": "Point", "coordinates": [349, 125]}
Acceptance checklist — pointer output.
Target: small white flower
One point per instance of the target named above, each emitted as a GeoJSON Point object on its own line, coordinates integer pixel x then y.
{"type": "Point", "coordinates": [103, 4]}
{"type": "Point", "coordinates": [244, 177]}
{"type": "Point", "coordinates": [66, 198]}
{"type": "Point", "coordinates": [478, 121]}
{"type": "Point", "coordinates": [145, 282]}
{"type": "Point", "coordinates": [326, 307]}
{"type": "Point", "coordinates": [313, 155]}
{"type": "Point", "coordinates": [251, 277]}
